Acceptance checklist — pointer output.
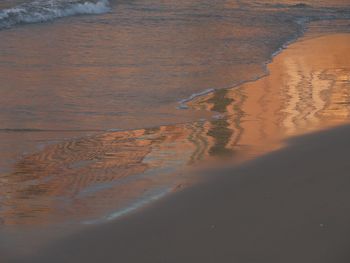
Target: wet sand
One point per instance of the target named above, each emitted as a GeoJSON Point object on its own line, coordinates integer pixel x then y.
{"type": "Point", "coordinates": [94, 177]}
{"type": "Point", "coordinates": [288, 206]}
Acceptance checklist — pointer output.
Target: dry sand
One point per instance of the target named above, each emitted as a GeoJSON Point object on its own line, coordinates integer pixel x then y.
{"type": "Point", "coordinates": [288, 206]}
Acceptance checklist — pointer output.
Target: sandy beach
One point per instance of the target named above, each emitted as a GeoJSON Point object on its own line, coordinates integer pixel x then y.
{"type": "Point", "coordinates": [285, 200]}
{"type": "Point", "coordinates": [288, 206]}
{"type": "Point", "coordinates": [94, 178]}
{"type": "Point", "coordinates": [174, 131]}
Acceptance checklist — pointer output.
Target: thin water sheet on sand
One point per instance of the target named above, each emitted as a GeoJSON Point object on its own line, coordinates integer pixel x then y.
{"type": "Point", "coordinates": [89, 178]}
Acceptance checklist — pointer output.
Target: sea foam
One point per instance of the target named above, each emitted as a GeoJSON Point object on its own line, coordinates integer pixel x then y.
{"type": "Point", "coordinates": [44, 10]}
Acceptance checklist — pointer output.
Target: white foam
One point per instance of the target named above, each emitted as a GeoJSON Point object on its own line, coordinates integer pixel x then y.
{"type": "Point", "coordinates": [182, 103]}
{"type": "Point", "coordinates": [41, 11]}
{"type": "Point", "coordinates": [130, 208]}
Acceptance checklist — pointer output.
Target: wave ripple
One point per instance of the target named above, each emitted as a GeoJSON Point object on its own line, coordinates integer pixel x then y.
{"type": "Point", "coordinates": [45, 10]}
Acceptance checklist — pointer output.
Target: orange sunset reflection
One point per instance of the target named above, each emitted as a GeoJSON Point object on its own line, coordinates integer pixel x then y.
{"type": "Point", "coordinates": [307, 89]}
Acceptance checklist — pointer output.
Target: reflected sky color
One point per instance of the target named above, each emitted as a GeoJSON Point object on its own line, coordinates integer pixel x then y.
{"type": "Point", "coordinates": [87, 178]}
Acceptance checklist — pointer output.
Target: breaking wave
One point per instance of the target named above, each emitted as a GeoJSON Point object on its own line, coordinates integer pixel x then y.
{"type": "Point", "coordinates": [46, 10]}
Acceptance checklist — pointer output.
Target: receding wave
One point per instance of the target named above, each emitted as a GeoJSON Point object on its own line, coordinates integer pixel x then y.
{"type": "Point", "coordinates": [46, 10]}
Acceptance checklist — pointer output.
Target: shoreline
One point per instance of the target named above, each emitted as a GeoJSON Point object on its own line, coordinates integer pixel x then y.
{"type": "Point", "coordinates": [300, 34]}
{"type": "Point", "coordinates": [244, 215]}
{"type": "Point", "coordinates": [174, 132]}
{"type": "Point", "coordinates": [254, 119]}
{"type": "Point", "coordinates": [71, 242]}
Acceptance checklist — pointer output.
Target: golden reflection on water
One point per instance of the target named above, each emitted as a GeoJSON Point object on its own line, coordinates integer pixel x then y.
{"type": "Point", "coordinates": [308, 88]}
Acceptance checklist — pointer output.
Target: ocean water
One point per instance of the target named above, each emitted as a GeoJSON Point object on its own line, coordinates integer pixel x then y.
{"type": "Point", "coordinates": [90, 90]}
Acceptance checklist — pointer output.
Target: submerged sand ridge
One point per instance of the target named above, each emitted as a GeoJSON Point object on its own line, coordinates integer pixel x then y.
{"type": "Point", "coordinates": [308, 88]}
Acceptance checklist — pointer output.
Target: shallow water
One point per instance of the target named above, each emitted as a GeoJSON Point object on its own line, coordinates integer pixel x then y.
{"type": "Point", "coordinates": [128, 68]}
{"type": "Point", "coordinates": [68, 85]}
{"type": "Point", "coordinates": [97, 177]}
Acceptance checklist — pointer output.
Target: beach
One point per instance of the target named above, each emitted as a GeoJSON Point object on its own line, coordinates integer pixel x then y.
{"type": "Point", "coordinates": [281, 196]}
{"type": "Point", "coordinates": [288, 206]}
{"type": "Point", "coordinates": [95, 178]}
{"type": "Point", "coordinates": [174, 132]}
